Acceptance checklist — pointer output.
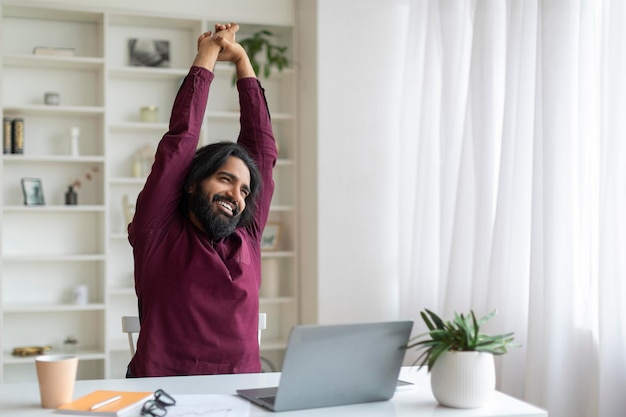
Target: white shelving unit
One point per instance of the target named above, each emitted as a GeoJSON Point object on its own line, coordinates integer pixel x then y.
{"type": "Point", "coordinates": [46, 251]}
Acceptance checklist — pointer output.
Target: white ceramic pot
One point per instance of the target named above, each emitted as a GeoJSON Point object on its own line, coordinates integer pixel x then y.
{"type": "Point", "coordinates": [463, 379]}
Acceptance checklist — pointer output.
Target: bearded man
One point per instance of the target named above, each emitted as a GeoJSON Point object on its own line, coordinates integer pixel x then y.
{"type": "Point", "coordinates": [197, 229]}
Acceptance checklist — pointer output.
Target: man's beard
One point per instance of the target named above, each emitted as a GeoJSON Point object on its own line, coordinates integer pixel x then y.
{"type": "Point", "coordinates": [215, 224]}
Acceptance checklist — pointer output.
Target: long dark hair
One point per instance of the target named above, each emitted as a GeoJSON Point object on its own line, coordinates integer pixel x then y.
{"type": "Point", "coordinates": [208, 160]}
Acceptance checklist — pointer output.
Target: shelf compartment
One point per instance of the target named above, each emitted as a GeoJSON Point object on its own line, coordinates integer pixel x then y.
{"type": "Point", "coordinates": [182, 35]}
{"type": "Point", "coordinates": [127, 96]}
{"type": "Point", "coordinates": [25, 86]}
{"type": "Point", "coordinates": [54, 282]}
{"type": "Point", "coordinates": [28, 27]}
{"type": "Point", "coordinates": [55, 178]}
{"type": "Point", "coordinates": [47, 134]}
{"type": "Point", "coordinates": [52, 233]}
{"type": "Point", "coordinates": [52, 327]}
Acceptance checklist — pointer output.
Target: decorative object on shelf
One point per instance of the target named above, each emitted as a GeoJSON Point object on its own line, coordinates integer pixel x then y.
{"type": "Point", "coordinates": [71, 198]}
{"type": "Point", "coordinates": [460, 358]}
{"type": "Point", "coordinates": [33, 192]}
{"type": "Point", "coordinates": [30, 350]}
{"type": "Point", "coordinates": [149, 114]}
{"type": "Point", "coordinates": [142, 161]}
{"type": "Point", "coordinates": [74, 136]}
{"type": "Point", "coordinates": [270, 240]}
{"type": "Point", "coordinates": [148, 53]}
{"type": "Point", "coordinates": [52, 98]}
{"type": "Point", "coordinates": [270, 278]}
{"type": "Point", "coordinates": [7, 135]}
{"type": "Point", "coordinates": [17, 135]}
{"type": "Point", "coordinates": [70, 344]}
{"type": "Point", "coordinates": [54, 51]}
{"type": "Point", "coordinates": [80, 295]}
{"type": "Point", "coordinates": [87, 177]}
{"type": "Point", "coordinates": [274, 55]}
{"type": "Point", "coordinates": [71, 194]}
{"type": "Point", "coordinates": [128, 209]}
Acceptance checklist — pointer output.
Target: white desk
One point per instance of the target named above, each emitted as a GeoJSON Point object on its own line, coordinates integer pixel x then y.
{"type": "Point", "coordinates": [21, 400]}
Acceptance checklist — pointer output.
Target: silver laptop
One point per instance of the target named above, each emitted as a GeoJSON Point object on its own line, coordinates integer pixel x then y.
{"type": "Point", "coordinates": [329, 365]}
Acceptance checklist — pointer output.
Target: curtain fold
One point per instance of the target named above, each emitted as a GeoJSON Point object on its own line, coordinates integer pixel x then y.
{"type": "Point", "coordinates": [514, 187]}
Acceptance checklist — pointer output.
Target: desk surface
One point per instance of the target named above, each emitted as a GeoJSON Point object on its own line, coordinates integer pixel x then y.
{"type": "Point", "coordinates": [22, 399]}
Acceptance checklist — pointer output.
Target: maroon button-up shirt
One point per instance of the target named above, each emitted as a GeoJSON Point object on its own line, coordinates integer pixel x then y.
{"type": "Point", "coordinates": [198, 301]}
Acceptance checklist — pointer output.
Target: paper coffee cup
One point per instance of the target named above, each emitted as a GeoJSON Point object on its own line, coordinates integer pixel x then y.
{"type": "Point", "coordinates": [56, 375]}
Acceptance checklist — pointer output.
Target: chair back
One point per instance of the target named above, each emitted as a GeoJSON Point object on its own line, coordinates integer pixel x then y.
{"type": "Point", "coordinates": [131, 326]}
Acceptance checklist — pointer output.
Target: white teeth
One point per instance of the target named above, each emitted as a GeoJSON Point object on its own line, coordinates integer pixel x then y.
{"type": "Point", "coordinates": [226, 206]}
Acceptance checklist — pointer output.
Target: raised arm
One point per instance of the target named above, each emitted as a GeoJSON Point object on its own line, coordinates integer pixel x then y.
{"type": "Point", "coordinates": [230, 51]}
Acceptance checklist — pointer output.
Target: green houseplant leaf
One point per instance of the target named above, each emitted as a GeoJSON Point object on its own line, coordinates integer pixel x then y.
{"type": "Point", "coordinates": [275, 56]}
{"type": "Point", "coordinates": [460, 334]}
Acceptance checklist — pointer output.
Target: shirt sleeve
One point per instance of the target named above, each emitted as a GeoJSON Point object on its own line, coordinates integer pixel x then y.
{"type": "Point", "coordinates": [257, 137]}
{"type": "Point", "coordinates": [162, 192]}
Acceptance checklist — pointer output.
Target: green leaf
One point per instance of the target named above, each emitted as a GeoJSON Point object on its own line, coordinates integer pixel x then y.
{"type": "Point", "coordinates": [275, 55]}
{"type": "Point", "coordinates": [460, 334]}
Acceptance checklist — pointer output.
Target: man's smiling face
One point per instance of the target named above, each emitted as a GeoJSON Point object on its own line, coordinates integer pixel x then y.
{"type": "Point", "coordinates": [216, 204]}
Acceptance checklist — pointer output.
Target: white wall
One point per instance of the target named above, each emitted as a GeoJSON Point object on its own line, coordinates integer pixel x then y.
{"type": "Point", "coordinates": [357, 159]}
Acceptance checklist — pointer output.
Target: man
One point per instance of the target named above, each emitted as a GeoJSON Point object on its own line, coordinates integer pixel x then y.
{"type": "Point", "coordinates": [197, 229]}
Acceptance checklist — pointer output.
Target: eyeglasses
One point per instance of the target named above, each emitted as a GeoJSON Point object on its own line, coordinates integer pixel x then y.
{"type": "Point", "coordinates": [157, 407]}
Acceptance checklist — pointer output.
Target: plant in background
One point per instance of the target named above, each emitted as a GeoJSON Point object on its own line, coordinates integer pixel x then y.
{"type": "Point", "coordinates": [274, 55]}
{"type": "Point", "coordinates": [71, 198]}
{"type": "Point", "coordinates": [461, 334]}
{"type": "Point", "coordinates": [88, 176]}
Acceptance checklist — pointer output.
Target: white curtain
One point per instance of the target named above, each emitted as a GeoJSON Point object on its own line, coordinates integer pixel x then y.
{"type": "Point", "coordinates": [513, 187]}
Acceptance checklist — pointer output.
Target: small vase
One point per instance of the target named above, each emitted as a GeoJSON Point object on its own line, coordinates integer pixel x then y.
{"type": "Point", "coordinates": [75, 133]}
{"type": "Point", "coordinates": [71, 198]}
{"type": "Point", "coordinates": [463, 379]}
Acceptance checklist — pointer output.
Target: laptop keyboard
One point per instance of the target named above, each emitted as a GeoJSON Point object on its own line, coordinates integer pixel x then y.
{"type": "Point", "coordinates": [269, 400]}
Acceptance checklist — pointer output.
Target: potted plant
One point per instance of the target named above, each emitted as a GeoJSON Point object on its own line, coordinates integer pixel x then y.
{"type": "Point", "coordinates": [460, 358]}
{"type": "Point", "coordinates": [274, 55]}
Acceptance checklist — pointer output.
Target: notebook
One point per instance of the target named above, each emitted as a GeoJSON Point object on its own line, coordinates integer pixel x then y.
{"type": "Point", "coordinates": [330, 365]}
{"type": "Point", "coordinates": [106, 403]}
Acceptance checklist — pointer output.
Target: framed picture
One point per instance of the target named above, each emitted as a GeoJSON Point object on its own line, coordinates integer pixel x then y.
{"type": "Point", "coordinates": [271, 236]}
{"type": "Point", "coordinates": [33, 192]}
{"type": "Point", "coordinates": [148, 53]}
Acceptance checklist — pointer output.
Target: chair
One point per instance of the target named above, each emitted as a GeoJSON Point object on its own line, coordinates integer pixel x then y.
{"type": "Point", "coordinates": [131, 326]}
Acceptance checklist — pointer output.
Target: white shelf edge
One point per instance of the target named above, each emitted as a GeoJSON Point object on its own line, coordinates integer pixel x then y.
{"type": "Point", "coordinates": [277, 254]}
{"type": "Point", "coordinates": [54, 208]}
{"type": "Point", "coordinates": [272, 344]}
{"type": "Point", "coordinates": [122, 291]}
{"type": "Point", "coordinates": [281, 208]}
{"type": "Point", "coordinates": [118, 235]}
{"type": "Point", "coordinates": [138, 126]}
{"type": "Point", "coordinates": [13, 158]}
{"type": "Point", "coordinates": [52, 308]}
{"type": "Point", "coordinates": [51, 61]}
{"type": "Point", "coordinates": [50, 109]}
{"type": "Point", "coordinates": [276, 300]}
{"type": "Point", "coordinates": [147, 72]}
{"type": "Point", "coordinates": [285, 162]}
{"type": "Point", "coordinates": [55, 258]}
{"type": "Point", "coordinates": [87, 354]}
{"type": "Point", "coordinates": [127, 181]}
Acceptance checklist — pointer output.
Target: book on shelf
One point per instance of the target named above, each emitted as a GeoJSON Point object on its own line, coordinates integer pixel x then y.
{"type": "Point", "coordinates": [106, 403]}
{"type": "Point", "coordinates": [7, 135]}
{"type": "Point", "coordinates": [53, 51]}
